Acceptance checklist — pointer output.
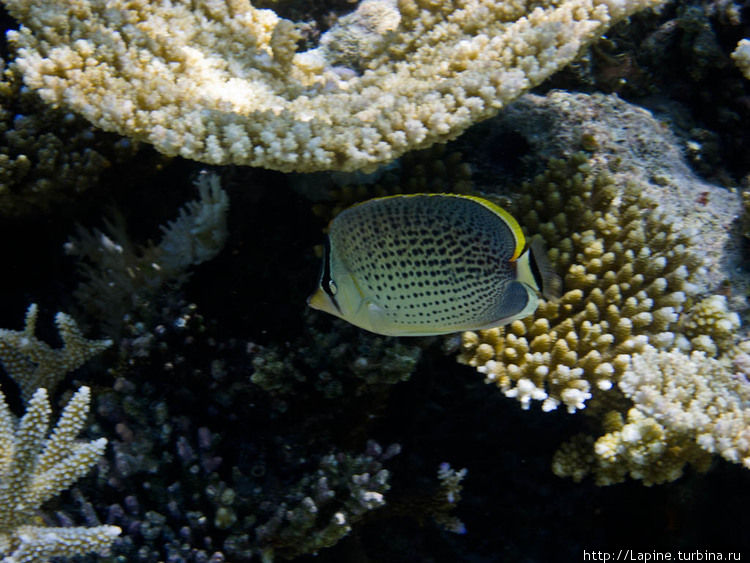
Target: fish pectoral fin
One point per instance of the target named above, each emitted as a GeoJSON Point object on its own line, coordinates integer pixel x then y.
{"type": "Point", "coordinates": [374, 318]}
{"type": "Point", "coordinates": [376, 313]}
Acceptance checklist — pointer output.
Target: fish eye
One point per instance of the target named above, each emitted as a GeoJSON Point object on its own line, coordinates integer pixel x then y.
{"type": "Point", "coordinates": [332, 289]}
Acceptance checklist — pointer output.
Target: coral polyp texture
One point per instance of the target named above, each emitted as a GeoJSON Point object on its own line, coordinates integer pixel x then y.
{"type": "Point", "coordinates": [626, 270]}
{"type": "Point", "coordinates": [693, 396]}
{"type": "Point", "coordinates": [34, 468]}
{"type": "Point", "coordinates": [222, 82]}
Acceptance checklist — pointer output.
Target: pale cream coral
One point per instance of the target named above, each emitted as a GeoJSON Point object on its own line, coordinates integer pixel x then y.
{"type": "Point", "coordinates": [706, 399]}
{"type": "Point", "coordinates": [639, 447]}
{"type": "Point", "coordinates": [686, 407]}
{"type": "Point", "coordinates": [220, 82]}
{"type": "Point", "coordinates": [741, 56]}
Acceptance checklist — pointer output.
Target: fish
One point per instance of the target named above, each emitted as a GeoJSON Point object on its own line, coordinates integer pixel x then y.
{"type": "Point", "coordinates": [430, 264]}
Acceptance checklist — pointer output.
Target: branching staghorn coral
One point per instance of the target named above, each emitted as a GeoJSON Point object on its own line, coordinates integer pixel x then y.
{"type": "Point", "coordinates": [324, 505]}
{"type": "Point", "coordinates": [32, 364]}
{"type": "Point", "coordinates": [217, 491]}
{"type": "Point", "coordinates": [626, 271]}
{"type": "Point", "coordinates": [221, 82]}
{"type": "Point", "coordinates": [33, 469]}
{"type": "Point", "coordinates": [449, 493]}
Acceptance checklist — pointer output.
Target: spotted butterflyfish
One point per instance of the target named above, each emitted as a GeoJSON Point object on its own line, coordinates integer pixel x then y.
{"type": "Point", "coordinates": [427, 264]}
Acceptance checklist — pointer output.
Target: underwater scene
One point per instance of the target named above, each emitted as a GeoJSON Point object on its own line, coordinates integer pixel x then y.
{"type": "Point", "coordinates": [374, 281]}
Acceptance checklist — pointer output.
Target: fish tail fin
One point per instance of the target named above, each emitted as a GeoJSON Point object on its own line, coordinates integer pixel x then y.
{"type": "Point", "coordinates": [536, 270]}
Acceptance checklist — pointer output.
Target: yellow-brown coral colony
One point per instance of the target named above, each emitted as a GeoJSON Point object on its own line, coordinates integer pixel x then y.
{"type": "Point", "coordinates": [625, 279]}
{"type": "Point", "coordinates": [629, 339]}
{"type": "Point", "coordinates": [221, 82]}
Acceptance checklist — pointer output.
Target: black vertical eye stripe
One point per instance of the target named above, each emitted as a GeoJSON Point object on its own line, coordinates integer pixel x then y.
{"type": "Point", "coordinates": [325, 275]}
{"type": "Point", "coordinates": [538, 278]}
